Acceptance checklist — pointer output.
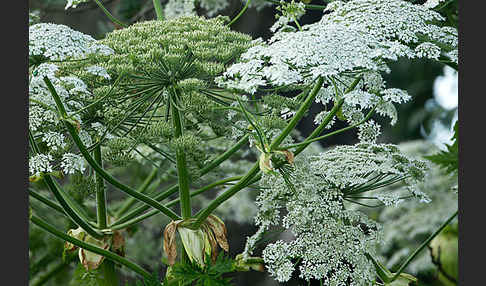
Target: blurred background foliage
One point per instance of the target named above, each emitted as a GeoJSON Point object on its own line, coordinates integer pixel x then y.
{"type": "Point", "coordinates": [428, 116]}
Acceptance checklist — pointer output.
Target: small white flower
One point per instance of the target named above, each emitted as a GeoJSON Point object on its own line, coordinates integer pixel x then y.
{"type": "Point", "coordinates": [71, 163]}
{"type": "Point", "coordinates": [369, 131]}
{"type": "Point", "coordinates": [54, 140]}
{"type": "Point", "coordinates": [40, 164]}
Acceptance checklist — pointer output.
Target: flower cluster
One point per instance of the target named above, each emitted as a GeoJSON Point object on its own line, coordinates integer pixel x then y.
{"type": "Point", "coordinates": [59, 42]}
{"type": "Point", "coordinates": [355, 38]}
{"type": "Point", "coordinates": [407, 225]}
{"type": "Point", "coordinates": [291, 12]}
{"type": "Point", "coordinates": [50, 42]}
{"type": "Point", "coordinates": [322, 184]}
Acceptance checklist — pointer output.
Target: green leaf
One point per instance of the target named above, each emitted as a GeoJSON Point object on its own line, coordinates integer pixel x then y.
{"type": "Point", "coordinates": [448, 160]}
{"type": "Point", "coordinates": [210, 275]}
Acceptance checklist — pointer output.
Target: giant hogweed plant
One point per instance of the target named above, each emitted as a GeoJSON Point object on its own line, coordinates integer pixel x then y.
{"type": "Point", "coordinates": [186, 95]}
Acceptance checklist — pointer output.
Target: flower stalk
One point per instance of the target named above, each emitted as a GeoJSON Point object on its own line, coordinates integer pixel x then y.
{"type": "Point", "coordinates": [74, 134]}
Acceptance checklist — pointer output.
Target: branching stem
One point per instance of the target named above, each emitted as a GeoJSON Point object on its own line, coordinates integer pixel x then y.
{"type": "Point", "coordinates": [74, 134]}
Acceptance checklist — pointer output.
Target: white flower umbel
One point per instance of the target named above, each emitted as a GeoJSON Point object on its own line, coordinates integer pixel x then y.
{"type": "Point", "coordinates": [54, 140]}
{"type": "Point", "coordinates": [330, 242]}
{"type": "Point", "coordinates": [59, 42]}
{"type": "Point", "coordinates": [358, 37]}
{"type": "Point", "coordinates": [40, 163]}
{"type": "Point", "coordinates": [369, 131]}
{"type": "Point", "coordinates": [71, 163]}
{"type": "Point", "coordinates": [291, 12]}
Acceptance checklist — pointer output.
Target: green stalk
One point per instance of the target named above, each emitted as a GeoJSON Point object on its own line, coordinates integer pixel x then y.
{"type": "Point", "coordinates": [423, 245]}
{"type": "Point", "coordinates": [243, 182]}
{"type": "Point", "coordinates": [70, 210]}
{"type": "Point", "coordinates": [158, 10]}
{"type": "Point", "coordinates": [218, 160]}
{"type": "Point", "coordinates": [307, 142]}
{"type": "Point", "coordinates": [328, 118]}
{"type": "Point", "coordinates": [90, 247]}
{"type": "Point", "coordinates": [241, 13]}
{"type": "Point", "coordinates": [109, 15]}
{"type": "Point", "coordinates": [68, 206]}
{"type": "Point", "coordinates": [110, 275]}
{"type": "Point", "coordinates": [100, 192]}
{"type": "Point", "coordinates": [298, 115]}
{"type": "Point", "coordinates": [141, 189]}
{"type": "Point", "coordinates": [46, 201]}
{"type": "Point", "coordinates": [72, 130]}
{"type": "Point", "coordinates": [182, 174]}
{"type": "Point", "coordinates": [204, 213]}
{"type": "Point", "coordinates": [173, 202]}
{"type": "Point", "coordinates": [254, 174]}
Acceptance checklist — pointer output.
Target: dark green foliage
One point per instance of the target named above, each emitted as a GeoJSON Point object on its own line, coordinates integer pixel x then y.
{"type": "Point", "coordinates": [448, 160]}
{"type": "Point", "coordinates": [211, 275]}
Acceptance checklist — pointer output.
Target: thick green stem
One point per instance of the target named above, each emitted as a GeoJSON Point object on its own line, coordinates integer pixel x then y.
{"type": "Point", "coordinates": [141, 189]}
{"type": "Point", "coordinates": [110, 275]}
{"type": "Point", "coordinates": [298, 115]}
{"type": "Point", "coordinates": [70, 210]}
{"type": "Point", "coordinates": [328, 118]}
{"type": "Point", "coordinates": [182, 174]}
{"type": "Point", "coordinates": [307, 142]}
{"type": "Point", "coordinates": [172, 189]}
{"type": "Point", "coordinates": [100, 192]}
{"type": "Point", "coordinates": [68, 206]}
{"type": "Point", "coordinates": [46, 201]}
{"type": "Point", "coordinates": [74, 134]}
{"type": "Point", "coordinates": [173, 202]}
{"type": "Point", "coordinates": [245, 181]}
{"type": "Point", "coordinates": [90, 247]}
{"type": "Point", "coordinates": [109, 15]}
{"type": "Point", "coordinates": [423, 245]}
{"type": "Point", "coordinates": [158, 10]}
{"type": "Point", "coordinates": [241, 13]}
